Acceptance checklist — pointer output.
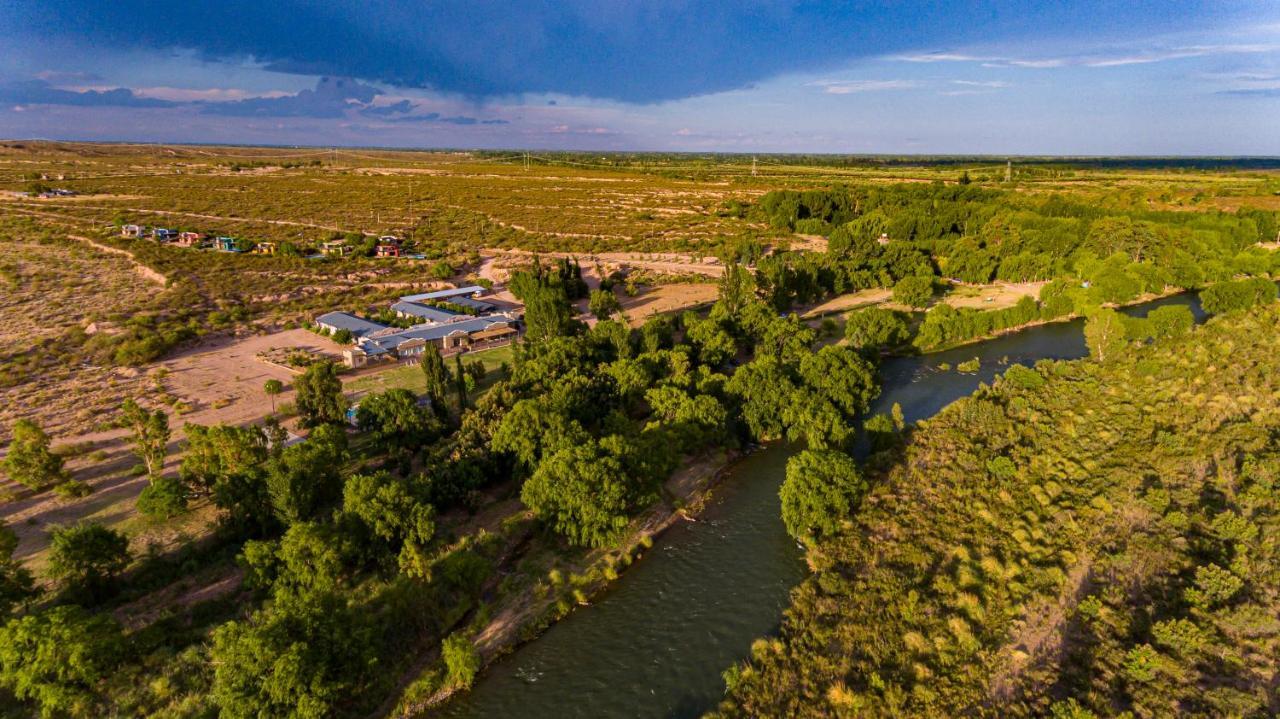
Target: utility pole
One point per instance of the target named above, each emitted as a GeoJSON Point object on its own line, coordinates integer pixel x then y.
{"type": "Point", "coordinates": [753, 165]}
{"type": "Point", "coordinates": [526, 161]}
{"type": "Point", "coordinates": [1008, 171]}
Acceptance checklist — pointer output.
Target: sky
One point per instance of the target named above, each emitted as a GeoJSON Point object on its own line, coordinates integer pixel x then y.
{"type": "Point", "coordinates": [960, 77]}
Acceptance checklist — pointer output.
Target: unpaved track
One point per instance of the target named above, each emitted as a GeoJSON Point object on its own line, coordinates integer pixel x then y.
{"type": "Point", "coordinates": [658, 262]}
{"type": "Point", "coordinates": [220, 218]}
{"type": "Point", "coordinates": [141, 269]}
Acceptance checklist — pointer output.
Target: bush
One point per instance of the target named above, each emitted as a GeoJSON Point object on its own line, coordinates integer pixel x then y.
{"type": "Point", "coordinates": [164, 498]}
{"type": "Point", "coordinates": [1023, 377]}
{"type": "Point", "coordinates": [461, 660]}
{"type": "Point", "coordinates": [73, 489]}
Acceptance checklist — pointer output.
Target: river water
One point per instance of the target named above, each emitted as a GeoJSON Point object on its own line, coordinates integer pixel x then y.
{"type": "Point", "coordinates": [655, 644]}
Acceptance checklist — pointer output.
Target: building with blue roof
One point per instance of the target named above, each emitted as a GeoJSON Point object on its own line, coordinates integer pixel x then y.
{"type": "Point", "coordinates": [358, 326]}
{"type": "Point", "coordinates": [470, 290]}
{"type": "Point", "coordinates": [423, 312]}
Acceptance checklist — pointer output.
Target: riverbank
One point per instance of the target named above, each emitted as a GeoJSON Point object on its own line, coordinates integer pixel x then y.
{"type": "Point", "coordinates": [522, 614]}
{"type": "Point", "coordinates": [1140, 300]}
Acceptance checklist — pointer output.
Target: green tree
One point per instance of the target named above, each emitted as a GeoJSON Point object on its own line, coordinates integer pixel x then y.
{"type": "Point", "coordinates": [306, 478]}
{"type": "Point", "coordinates": [547, 310]}
{"type": "Point", "coordinates": [533, 430]}
{"type": "Point", "coordinates": [913, 291]}
{"type": "Point", "coordinates": [603, 304]}
{"type": "Point", "coordinates": [842, 377]}
{"type": "Point", "coordinates": [395, 420]}
{"type": "Point", "coordinates": [1239, 295]}
{"type": "Point", "coordinates": [821, 490]}
{"type": "Point", "coordinates": [1170, 321]}
{"type": "Point", "coordinates": [459, 384]}
{"type": "Point", "coordinates": [273, 387]}
{"type": "Point", "coordinates": [875, 328]}
{"type": "Point", "coordinates": [1214, 586]}
{"type": "Point", "coordinates": [584, 493]}
{"type": "Point", "coordinates": [764, 389]}
{"type": "Point", "coordinates": [149, 431]}
{"type": "Point", "coordinates": [305, 655]}
{"type": "Point", "coordinates": [320, 398]}
{"type": "Point", "coordinates": [1104, 333]}
{"type": "Point", "coordinates": [389, 510]}
{"type": "Point", "coordinates": [57, 659]}
{"type": "Point", "coordinates": [87, 557]}
{"type": "Point", "coordinates": [714, 342]}
{"type": "Point", "coordinates": [213, 453]}
{"type": "Point", "coordinates": [737, 289]}
{"type": "Point", "coordinates": [29, 461]}
{"type": "Point", "coordinates": [16, 582]}
{"type": "Point", "coordinates": [437, 379]}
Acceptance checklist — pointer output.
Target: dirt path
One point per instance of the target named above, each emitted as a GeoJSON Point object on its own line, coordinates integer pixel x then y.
{"type": "Point", "coordinates": [146, 272]}
{"type": "Point", "coordinates": [221, 218]}
{"type": "Point", "coordinates": [668, 263]}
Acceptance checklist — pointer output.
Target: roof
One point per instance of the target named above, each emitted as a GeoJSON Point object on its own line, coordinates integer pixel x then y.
{"type": "Point", "coordinates": [427, 313]}
{"type": "Point", "coordinates": [444, 294]}
{"type": "Point", "coordinates": [346, 321]}
{"type": "Point", "coordinates": [435, 332]}
{"type": "Point", "coordinates": [473, 304]}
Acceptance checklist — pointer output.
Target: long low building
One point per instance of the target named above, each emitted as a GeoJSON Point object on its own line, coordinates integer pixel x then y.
{"type": "Point", "coordinates": [358, 326]}
{"type": "Point", "coordinates": [409, 344]}
{"type": "Point", "coordinates": [422, 312]}
{"type": "Point", "coordinates": [446, 295]}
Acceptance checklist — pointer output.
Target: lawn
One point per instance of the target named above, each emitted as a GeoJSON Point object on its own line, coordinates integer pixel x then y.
{"type": "Point", "coordinates": [410, 376]}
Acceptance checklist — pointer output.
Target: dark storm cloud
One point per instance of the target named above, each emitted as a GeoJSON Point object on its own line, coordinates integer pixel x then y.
{"type": "Point", "coordinates": [40, 92]}
{"type": "Point", "coordinates": [636, 52]}
{"type": "Point", "coordinates": [331, 98]}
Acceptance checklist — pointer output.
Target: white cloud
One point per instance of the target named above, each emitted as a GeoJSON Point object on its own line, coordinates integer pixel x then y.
{"type": "Point", "coordinates": [849, 87]}
{"type": "Point", "coordinates": [1112, 57]}
{"type": "Point", "coordinates": [993, 84]}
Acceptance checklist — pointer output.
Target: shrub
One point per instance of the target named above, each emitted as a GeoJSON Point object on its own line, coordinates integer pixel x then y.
{"type": "Point", "coordinates": [461, 660]}
{"type": "Point", "coordinates": [164, 498]}
{"type": "Point", "coordinates": [73, 489]}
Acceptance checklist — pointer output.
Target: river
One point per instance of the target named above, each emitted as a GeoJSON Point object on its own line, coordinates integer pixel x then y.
{"type": "Point", "coordinates": [655, 643]}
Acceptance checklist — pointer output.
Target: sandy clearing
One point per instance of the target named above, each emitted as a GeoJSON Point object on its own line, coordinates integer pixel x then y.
{"type": "Point", "coordinates": [981, 297]}
{"type": "Point", "coordinates": [666, 298]}
{"type": "Point", "coordinates": [849, 301]}
{"type": "Point", "coordinates": [992, 297]}
{"type": "Point", "coordinates": [220, 379]}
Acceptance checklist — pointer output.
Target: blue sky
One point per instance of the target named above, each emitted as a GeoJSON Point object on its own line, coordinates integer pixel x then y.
{"type": "Point", "coordinates": [964, 76]}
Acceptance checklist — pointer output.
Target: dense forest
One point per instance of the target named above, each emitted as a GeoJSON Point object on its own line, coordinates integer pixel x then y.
{"type": "Point", "coordinates": [1088, 538]}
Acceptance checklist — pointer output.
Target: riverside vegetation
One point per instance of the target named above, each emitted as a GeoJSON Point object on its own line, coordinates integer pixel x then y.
{"type": "Point", "coordinates": [365, 565]}
{"type": "Point", "coordinates": [1087, 538]}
